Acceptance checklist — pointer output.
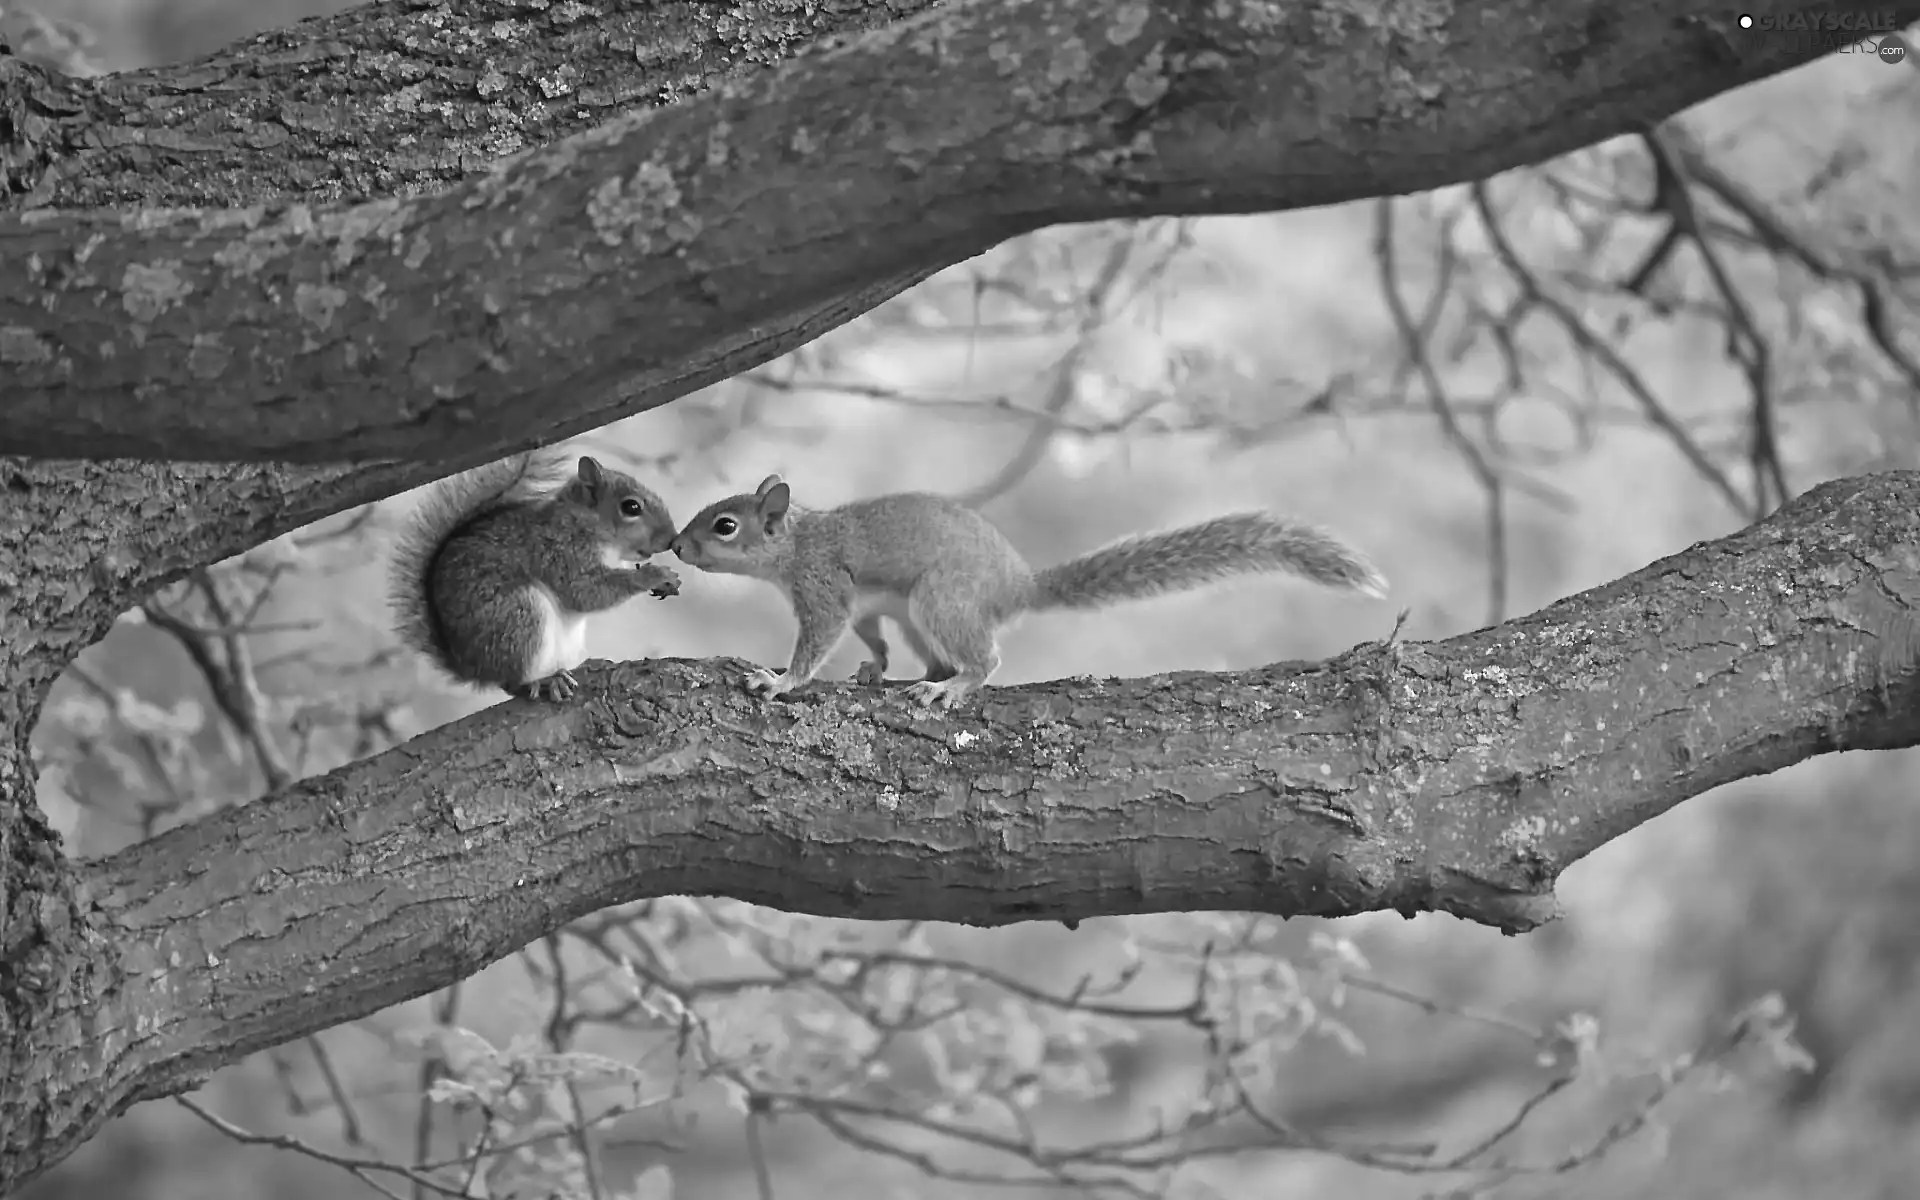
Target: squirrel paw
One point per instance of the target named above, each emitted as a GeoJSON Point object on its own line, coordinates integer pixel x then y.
{"type": "Point", "coordinates": [940, 694]}
{"type": "Point", "coordinates": [555, 688]}
{"type": "Point", "coordinates": [871, 674]}
{"type": "Point", "coordinates": [771, 684]}
{"type": "Point", "coordinates": [665, 582]}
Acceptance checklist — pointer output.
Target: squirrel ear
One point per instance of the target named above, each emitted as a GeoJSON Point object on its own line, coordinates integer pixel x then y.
{"type": "Point", "coordinates": [767, 485]}
{"type": "Point", "coordinates": [775, 496]}
{"type": "Point", "coordinates": [589, 471]}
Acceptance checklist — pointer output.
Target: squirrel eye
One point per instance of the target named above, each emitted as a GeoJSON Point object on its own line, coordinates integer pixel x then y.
{"type": "Point", "coordinates": [631, 507]}
{"type": "Point", "coordinates": [726, 527]}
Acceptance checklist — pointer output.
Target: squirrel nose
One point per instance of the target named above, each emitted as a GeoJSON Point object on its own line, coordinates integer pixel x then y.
{"type": "Point", "coordinates": [678, 547]}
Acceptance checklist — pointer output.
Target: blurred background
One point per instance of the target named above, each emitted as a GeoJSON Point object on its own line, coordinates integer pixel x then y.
{"type": "Point", "coordinates": [1505, 393]}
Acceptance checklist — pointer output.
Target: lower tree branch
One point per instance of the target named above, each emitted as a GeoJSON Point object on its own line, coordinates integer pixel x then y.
{"type": "Point", "coordinates": [1461, 776]}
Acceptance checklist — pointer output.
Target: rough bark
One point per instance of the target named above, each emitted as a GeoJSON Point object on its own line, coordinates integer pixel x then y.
{"type": "Point", "coordinates": [395, 98]}
{"type": "Point", "coordinates": [1456, 787]}
{"type": "Point", "coordinates": [624, 266]}
{"type": "Point", "coordinates": [1461, 776]}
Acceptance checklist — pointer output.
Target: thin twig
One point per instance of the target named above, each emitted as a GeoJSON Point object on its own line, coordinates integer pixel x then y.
{"type": "Point", "coordinates": [1483, 471]}
{"type": "Point", "coordinates": [1745, 341]}
{"type": "Point", "coordinates": [756, 1150]}
{"type": "Point", "coordinates": [362, 1169]}
{"type": "Point", "coordinates": [446, 1007]}
{"type": "Point", "coordinates": [1065, 377]}
{"type": "Point", "coordinates": [1596, 347]}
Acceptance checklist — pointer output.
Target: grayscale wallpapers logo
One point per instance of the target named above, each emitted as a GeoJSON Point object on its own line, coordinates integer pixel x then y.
{"type": "Point", "coordinates": [1877, 34]}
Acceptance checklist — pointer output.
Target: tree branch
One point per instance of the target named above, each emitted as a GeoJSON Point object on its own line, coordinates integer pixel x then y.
{"type": "Point", "coordinates": [393, 98]}
{"type": "Point", "coordinates": [620, 268]}
{"type": "Point", "coordinates": [1461, 776]}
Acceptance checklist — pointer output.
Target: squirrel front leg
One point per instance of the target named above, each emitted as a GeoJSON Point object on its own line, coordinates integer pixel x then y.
{"type": "Point", "coordinates": [873, 672]}
{"type": "Point", "coordinates": [555, 688]}
{"type": "Point", "coordinates": [657, 581]}
{"type": "Point", "coordinates": [823, 612]}
{"type": "Point", "coordinates": [604, 586]}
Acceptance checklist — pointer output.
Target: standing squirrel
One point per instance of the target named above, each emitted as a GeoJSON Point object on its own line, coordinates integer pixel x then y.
{"type": "Point", "coordinates": [493, 576]}
{"type": "Point", "coordinates": [952, 581]}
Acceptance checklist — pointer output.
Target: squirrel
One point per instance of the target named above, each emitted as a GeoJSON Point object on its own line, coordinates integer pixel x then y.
{"type": "Point", "coordinates": [952, 581]}
{"type": "Point", "coordinates": [493, 576]}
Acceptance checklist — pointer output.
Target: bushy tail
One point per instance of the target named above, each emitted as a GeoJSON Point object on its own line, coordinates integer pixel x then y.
{"type": "Point", "coordinates": [1179, 559]}
{"type": "Point", "coordinates": [443, 510]}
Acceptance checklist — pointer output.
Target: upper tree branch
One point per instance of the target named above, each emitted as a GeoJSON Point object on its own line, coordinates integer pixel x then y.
{"type": "Point", "coordinates": [627, 265]}
{"type": "Point", "coordinates": [1462, 776]}
{"type": "Point", "coordinates": [384, 99]}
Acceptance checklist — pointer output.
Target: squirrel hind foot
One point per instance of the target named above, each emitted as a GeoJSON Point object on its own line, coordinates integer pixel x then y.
{"type": "Point", "coordinates": [771, 684]}
{"type": "Point", "coordinates": [556, 688]}
{"type": "Point", "coordinates": [941, 694]}
{"type": "Point", "coordinates": [871, 674]}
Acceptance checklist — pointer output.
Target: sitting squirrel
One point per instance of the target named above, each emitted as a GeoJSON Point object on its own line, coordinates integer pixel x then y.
{"type": "Point", "coordinates": [494, 575]}
{"type": "Point", "coordinates": [952, 581]}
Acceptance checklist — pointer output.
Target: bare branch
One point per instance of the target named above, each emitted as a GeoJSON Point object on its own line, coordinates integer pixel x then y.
{"type": "Point", "coordinates": [445, 1009]}
{"type": "Point", "coordinates": [1776, 233]}
{"type": "Point", "coordinates": [1746, 343]}
{"type": "Point", "coordinates": [1064, 382]}
{"type": "Point", "coordinates": [1595, 348]}
{"type": "Point", "coordinates": [225, 662]}
{"type": "Point", "coordinates": [1415, 339]}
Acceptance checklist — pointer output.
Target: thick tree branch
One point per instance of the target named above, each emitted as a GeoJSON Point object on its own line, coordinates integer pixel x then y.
{"type": "Point", "coordinates": [394, 98]}
{"type": "Point", "coordinates": [622, 267]}
{"type": "Point", "coordinates": [1461, 776]}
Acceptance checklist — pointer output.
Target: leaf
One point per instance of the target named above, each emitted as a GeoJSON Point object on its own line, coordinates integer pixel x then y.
{"type": "Point", "coordinates": [447, 1090]}
{"type": "Point", "coordinates": [1340, 949]}
{"type": "Point", "coordinates": [733, 1095]}
{"type": "Point", "coordinates": [1348, 1039]}
{"type": "Point", "coordinates": [1771, 1024]}
{"type": "Point", "coordinates": [559, 1102]}
{"type": "Point", "coordinates": [183, 719]}
{"type": "Point", "coordinates": [580, 1066]}
{"type": "Point", "coordinates": [83, 713]}
{"type": "Point", "coordinates": [654, 1183]}
{"type": "Point", "coordinates": [459, 1046]}
{"type": "Point", "coordinates": [1658, 1138]}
